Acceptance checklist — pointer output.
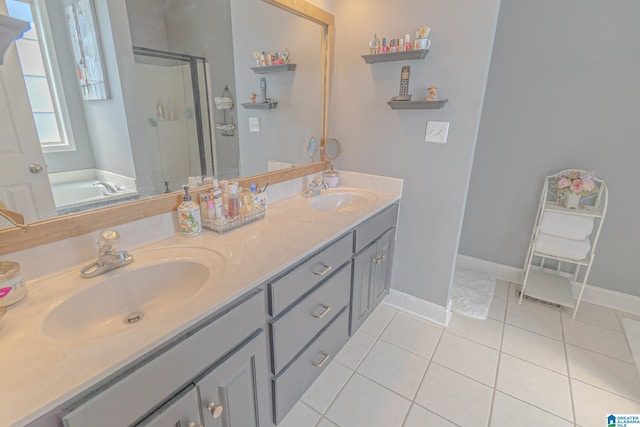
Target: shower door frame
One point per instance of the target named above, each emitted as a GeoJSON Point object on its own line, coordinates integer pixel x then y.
{"type": "Point", "coordinates": [197, 106]}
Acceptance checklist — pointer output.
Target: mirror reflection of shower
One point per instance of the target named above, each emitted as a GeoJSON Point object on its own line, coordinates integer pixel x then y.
{"type": "Point", "coordinates": [173, 98]}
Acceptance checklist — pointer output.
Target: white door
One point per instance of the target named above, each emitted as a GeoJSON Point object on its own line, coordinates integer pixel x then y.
{"type": "Point", "coordinates": [24, 183]}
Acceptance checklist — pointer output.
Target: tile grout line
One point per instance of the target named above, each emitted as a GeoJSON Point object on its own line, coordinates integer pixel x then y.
{"type": "Point", "coordinates": [566, 359]}
{"type": "Point", "coordinates": [354, 371]}
{"type": "Point", "coordinates": [424, 375]}
{"type": "Point", "coordinates": [495, 379]}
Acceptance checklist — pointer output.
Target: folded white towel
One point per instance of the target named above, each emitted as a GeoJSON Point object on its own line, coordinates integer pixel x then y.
{"type": "Point", "coordinates": [566, 225]}
{"type": "Point", "coordinates": [561, 247]}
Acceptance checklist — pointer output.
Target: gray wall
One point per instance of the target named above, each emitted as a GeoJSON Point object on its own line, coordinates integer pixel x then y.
{"type": "Point", "coordinates": [382, 141]}
{"type": "Point", "coordinates": [563, 92]}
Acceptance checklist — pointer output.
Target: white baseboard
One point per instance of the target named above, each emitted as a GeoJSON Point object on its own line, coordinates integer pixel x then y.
{"type": "Point", "coordinates": [499, 271]}
{"type": "Point", "coordinates": [418, 307]}
{"type": "Point", "coordinates": [592, 294]}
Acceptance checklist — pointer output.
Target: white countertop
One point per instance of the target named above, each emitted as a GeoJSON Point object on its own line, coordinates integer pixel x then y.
{"type": "Point", "coordinates": [39, 373]}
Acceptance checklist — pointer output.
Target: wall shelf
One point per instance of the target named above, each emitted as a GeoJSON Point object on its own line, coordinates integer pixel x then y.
{"type": "Point", "coordinates": [261, 105]}
{"type": "Point", "coordinates": [417, 105]}
{"type": "Point", "coordinates": [395, 56]}
{"type": "Point", "coordinates": [274, 68]}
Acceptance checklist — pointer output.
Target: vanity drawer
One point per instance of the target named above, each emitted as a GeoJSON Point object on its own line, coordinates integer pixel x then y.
{"type": "Point", "coordinates": [143, 388]}
{"type": "Point", "coordinates": [290, 385]}
{"type": "Point", "coordinates": [296, 283]}
{"type": "Point", "coordinates": [373, 228]}
{"type": "Point", "coordinates": [291, 332]}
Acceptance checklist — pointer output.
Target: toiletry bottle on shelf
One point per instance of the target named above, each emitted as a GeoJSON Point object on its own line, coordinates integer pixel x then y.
{"type": "Point", "coordinates": [331, 178]}
{"type": "Point", "coordinates": [189, 219]}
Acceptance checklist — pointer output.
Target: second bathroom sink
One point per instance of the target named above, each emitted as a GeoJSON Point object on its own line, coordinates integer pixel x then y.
{"type": "Point", "coordinates": [341, 200]}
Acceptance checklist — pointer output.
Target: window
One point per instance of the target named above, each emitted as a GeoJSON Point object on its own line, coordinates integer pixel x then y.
{"type": "Point", "coordinates": [39, 70]}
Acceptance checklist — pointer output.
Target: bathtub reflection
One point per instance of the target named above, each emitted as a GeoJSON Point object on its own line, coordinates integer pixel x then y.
{"type": "Point", "coordinates": [77, 196]}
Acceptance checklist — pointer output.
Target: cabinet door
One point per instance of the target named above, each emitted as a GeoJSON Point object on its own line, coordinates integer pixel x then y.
{"type": "Point", "coordinates": [382, 267]}
{"type": "Point", "coordinates": [235, 393]}
{"type": "Point", "coordinates": [361, 287]}
{"type": "Point", "coordinates": [181, 411]}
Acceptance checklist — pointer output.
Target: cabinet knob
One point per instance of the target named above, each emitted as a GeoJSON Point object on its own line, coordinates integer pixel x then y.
{"type": "Point", "coordinates": [327, 268]}
{"type": "Point", "coordinates": [325, 310]}
{"type": "Point", "coordinates": [379, 259]}
{"type": "Point", "coordinates": [194, 425]}
{"type": "Point", "coordinates": [216, 410]}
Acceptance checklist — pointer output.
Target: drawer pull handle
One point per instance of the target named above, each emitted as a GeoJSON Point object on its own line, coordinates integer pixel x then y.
{"type": "Point", "coordinates": [325, 310]}
{"type": "Point", "coordinates": [325, 357]}
{"type": "Point", "coordinates": [327, 268]}
{"type": "Point", "coordinates": [216, 410]}
{"type": "Point", "coordinates": [379, 259]}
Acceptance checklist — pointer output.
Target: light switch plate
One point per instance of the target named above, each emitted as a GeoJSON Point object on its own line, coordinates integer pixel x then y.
{"type": "Point", "coordinates": [254, 124]}
{"type": "Point", "coordinates": [437, 132]}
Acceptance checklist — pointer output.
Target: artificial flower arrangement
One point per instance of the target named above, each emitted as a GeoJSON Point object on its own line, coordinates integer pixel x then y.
{"type": "Point", "coordinates": [574, 183]}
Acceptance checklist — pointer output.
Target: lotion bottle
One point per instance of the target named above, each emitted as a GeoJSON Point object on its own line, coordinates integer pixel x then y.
{"type": "Point", "coordinates": [189, 220]}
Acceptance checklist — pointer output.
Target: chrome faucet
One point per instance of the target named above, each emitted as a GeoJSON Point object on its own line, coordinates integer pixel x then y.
{"type": "Point", "coordinates": [15, 218]}
{"type": "Point", "coordinates": [109, 189]}
{"type": "Point", "coordinates": [108, 258]}
{"type": "Point", "coordinates": [316, 186]}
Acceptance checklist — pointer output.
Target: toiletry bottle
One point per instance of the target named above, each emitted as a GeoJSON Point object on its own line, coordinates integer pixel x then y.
{"type": "Point", "coordinates": [254, 197]}
{"type": "Point", "coordinates": [262, 198]}
{"type": "Point", "coordinates": [160, 114]}
{"type": "Point", "coordinates": [205, 198]}
{"type": "Point", "coordinates": [331, 178]}
{"type": "Point", "coordinates": [407, 42]}
{"type": "Point", "coordinates": [217, 200]}
{"type": "Point", "coordinates": [189, 215]}
{"type": "Point", "coordinates": [233, 200]}
{"type": "Point", "coordinates": [247, 201]}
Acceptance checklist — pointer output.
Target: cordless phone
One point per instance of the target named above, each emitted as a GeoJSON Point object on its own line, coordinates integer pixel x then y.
{"type": "Point", "coordinates": [404, 85]}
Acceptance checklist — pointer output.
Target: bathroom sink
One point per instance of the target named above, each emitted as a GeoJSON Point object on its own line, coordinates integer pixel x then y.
{"type": "Point", "coordinates": [158, 283]}
{"type": "Point", "coordinates": [341, 200]}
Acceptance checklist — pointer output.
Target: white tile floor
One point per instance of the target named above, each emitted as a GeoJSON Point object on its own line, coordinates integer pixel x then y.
{"type": "Point", "coordinates": [525, 365]}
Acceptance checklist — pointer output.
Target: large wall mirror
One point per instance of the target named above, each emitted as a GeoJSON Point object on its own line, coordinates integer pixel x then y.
{"type": "Point", "coordinates": [155, 121]}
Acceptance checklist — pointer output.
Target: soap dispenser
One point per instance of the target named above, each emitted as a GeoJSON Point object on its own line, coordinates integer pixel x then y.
{"type": "Point", "coordinates": [331, 178]}
{"type": "Point", "coordinates": [189, 219]}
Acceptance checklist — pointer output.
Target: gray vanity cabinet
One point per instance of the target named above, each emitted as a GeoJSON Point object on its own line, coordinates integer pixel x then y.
{"type": "Point", "coordinates": [235, 393]}
{"type": "Point", "coordinates": [310, 309]}
{"type": "Point", "coordinates": [372, 265]}
{"type": "Point", "coordinates": [231, 348]}
{"type": "Point", "coordinates": [181, 411]}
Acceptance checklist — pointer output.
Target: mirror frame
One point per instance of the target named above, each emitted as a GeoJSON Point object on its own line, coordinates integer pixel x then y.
{"type": "Point", "coordinates": [59, 228]}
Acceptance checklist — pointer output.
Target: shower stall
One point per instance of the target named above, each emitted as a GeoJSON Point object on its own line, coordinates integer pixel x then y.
{"type": "Point", "coordinates": [173, 95]}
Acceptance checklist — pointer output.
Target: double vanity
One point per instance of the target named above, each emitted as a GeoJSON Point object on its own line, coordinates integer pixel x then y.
{"type": "Point", "coordinates": [216, 330]}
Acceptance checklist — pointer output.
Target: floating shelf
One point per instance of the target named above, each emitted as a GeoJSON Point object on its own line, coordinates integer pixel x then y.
{"type": "Point", "coordinates": [261, 105]}
{"type": "Point", "coordinates": [395, 56]}
{"type": "Point", "coordinates": [274, 68]}
{"type": "Point", "coordinates": [417, 105]}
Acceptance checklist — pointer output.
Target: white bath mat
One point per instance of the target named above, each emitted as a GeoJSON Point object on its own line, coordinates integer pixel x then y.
{"type": "Point", "coordinates": [471, 293]}
{"type": "Point", "coordinates": [632, 331]}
